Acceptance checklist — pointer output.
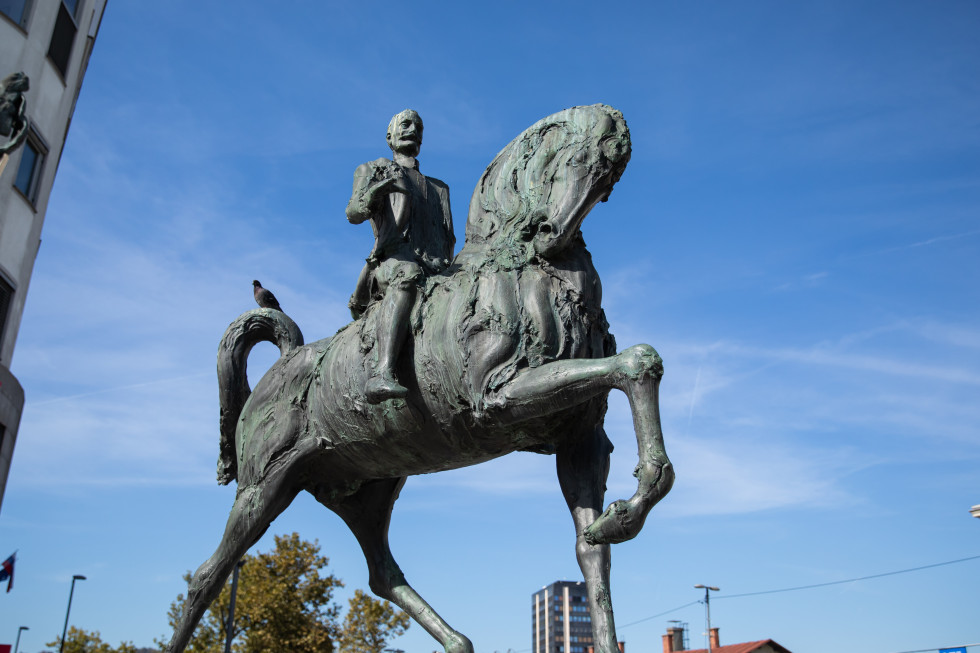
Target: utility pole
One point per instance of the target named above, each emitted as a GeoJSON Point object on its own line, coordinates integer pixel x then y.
{"type": "Point", "coordinates": [707, 608]}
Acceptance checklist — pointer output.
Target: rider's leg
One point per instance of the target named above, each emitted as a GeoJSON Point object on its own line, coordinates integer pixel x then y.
{"type": "Point", "coordinates": [368, 514]}
{"type": "Point", "coordinates": [391, 329]}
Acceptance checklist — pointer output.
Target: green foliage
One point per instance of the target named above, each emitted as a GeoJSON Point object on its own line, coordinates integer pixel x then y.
{"type": "Point", "coordinates": [82, 641]}
{"type": "Point", "coordinates": [283, 604]}
{"type": "Point", "coordinates": [369, 625]}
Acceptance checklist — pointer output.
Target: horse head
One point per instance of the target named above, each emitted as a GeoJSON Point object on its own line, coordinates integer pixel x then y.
{"type": "Point", "coordinates": [533, 197]}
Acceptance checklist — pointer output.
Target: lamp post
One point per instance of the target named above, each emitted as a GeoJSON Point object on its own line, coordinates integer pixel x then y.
{"type": "Point", "coordinates": [64, 632]}
{"type": "Point", "coordinates": [19, 630]}
{"type": "Point", "coordinates": [707, 608]}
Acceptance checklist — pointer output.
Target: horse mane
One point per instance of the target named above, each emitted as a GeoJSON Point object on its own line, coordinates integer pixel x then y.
{"type": "Point", "coordinates": [518, 181]}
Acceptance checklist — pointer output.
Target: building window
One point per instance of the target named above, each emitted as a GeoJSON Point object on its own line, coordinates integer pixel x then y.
{"type": "Point", "coordinates": [31, 166]}
{"type": "Point", "coordinates": [16, 10]}
{"type": "Point", "coordinates": [6, 296]}
{"type": "Point", "coordinates": [63, 36]}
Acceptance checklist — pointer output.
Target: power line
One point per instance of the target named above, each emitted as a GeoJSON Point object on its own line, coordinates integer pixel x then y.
{"type": "Point", "coordinates": [849, 580]}
{"type": "Point", "coordinates": [801, 587]}
{"type": "Point", "coordinates": [633, 623]}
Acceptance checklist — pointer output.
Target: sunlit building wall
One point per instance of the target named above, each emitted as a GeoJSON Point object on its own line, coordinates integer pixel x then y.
{"type": "Point", "coordinates": [50, 41]}
{"type": "Point", "coordinates": [560, 621]}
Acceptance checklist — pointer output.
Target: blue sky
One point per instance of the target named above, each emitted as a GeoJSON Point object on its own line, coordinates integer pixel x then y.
{"type": "Point", "coordinates": [797, 234]}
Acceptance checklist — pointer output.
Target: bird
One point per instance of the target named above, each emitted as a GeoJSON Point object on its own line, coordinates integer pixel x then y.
{"type": "Point", "coordinates": [264, 296]}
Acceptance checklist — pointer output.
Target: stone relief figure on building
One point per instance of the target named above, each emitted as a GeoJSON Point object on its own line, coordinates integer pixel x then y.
{"type": "Point", "coordinates": [509, 351]}
{"type": "Point", "coordinates": [13, 111]}
{"type": "Point", "coordinates": [413, 231]}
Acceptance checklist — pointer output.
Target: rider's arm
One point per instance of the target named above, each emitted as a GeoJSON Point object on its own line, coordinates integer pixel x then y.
{"type": "Point", "coordinates": [359, 208]}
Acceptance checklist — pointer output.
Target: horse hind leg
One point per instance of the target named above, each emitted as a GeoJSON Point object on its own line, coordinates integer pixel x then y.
{"type": "Point", "coordinates": [255, 507]}
{"type": "Point", "coordinates": [368, 514]}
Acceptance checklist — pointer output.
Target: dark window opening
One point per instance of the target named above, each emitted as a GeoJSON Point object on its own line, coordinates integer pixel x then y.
{"type": "Point", "coordinates": [63, 36]}
{"type": "Point", "coordinates": [6, 296]}
{"type": "Point", "coordinates": [31, 165]}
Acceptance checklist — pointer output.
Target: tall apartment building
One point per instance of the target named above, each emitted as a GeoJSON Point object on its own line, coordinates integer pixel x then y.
{"type": "Point", "coordinates": [50, 41]}
{"type": "Point", "coordinates": [561, 618]}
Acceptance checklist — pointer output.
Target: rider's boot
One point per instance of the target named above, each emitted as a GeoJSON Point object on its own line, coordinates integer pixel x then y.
{"type": "Point", "coordinates": [391, 330]}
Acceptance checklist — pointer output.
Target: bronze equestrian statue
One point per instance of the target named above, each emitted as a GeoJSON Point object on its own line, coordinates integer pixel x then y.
{"type": "Point", "coordinates": [508, 350]}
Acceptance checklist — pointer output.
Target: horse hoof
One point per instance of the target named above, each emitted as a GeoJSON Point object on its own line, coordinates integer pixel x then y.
{"type": "Point", "coordinates": [612, 526]}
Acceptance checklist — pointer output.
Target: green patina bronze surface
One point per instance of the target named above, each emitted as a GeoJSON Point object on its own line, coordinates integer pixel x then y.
{"type": "Point", "coordinates": [13, 111]}
{"type": "Point", "coordinates": [506, 349]}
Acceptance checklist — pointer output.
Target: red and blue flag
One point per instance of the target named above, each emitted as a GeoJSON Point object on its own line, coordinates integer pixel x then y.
{"type": "Point", "coordinates": [7, 572]}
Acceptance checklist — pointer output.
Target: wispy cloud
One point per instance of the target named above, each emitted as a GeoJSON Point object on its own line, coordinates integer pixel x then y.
{"type": "Point", "coordinates": [925, 243]}
{"type": "Point", "coordinates": [948, 334]}
{"type": "Point", "coordinates": [856, 361]}
{"type": "Point", "coordinates": [132, 386]}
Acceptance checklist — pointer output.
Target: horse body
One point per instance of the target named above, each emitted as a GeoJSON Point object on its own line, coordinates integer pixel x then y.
{"type": "Point", "coordinates": [450, 419]}
{"type": "Point", "coordinates": [509, 350]}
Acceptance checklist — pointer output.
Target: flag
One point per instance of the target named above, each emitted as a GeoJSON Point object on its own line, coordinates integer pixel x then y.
{"type": "Point", "coordinates": [7, 572]}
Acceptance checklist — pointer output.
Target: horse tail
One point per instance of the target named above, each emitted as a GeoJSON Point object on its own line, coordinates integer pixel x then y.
{"type": "Point", "coordinates": [249, 329]}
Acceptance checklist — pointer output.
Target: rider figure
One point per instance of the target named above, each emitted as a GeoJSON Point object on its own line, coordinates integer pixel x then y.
{"type": "Point", "coordinates": [413, 230]}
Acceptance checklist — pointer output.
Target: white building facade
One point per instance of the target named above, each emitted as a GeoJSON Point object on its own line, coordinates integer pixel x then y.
{"type": "Point", "coordinates": [50, 41]}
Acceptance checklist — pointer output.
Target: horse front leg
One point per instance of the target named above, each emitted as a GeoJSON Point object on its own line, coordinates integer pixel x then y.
{"type": "Point", "coordinates": [583, 465]}
{"type": "Point", "coordinates": [561, 385]}
{"type": "Point", "coordinates": [654, 473]}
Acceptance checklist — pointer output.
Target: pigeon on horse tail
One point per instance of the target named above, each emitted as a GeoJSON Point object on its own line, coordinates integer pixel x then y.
{"type": "Point", "coordinates": [264, 296]}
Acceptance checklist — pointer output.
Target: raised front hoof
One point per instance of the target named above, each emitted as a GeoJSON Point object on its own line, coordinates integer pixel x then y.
{"type": "Point", "coordinates": [623, 520]}
{"type": "Point", "coordinates": [382, 388]}
{"type": "Point", "coordinates": [617, 524]}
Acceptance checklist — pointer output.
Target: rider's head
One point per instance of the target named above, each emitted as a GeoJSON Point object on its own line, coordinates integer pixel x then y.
{"type": "Point", "coordinates": [405, 133]}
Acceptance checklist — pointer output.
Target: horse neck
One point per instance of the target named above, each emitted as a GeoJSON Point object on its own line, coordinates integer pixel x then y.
{"type": "Point", "coordinates": [506, 252]}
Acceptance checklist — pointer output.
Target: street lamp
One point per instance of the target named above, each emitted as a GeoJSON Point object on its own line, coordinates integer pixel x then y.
{"type": "Point", "coordinates": [19, 630]}
{"type": "Point", "coordinates": [707, 608]}
{"type": "Point", "coordinates": [64, 632]}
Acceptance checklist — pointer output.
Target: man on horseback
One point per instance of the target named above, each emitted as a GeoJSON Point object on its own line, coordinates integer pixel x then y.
{"type": "Point", "coordinates": [413, 230]}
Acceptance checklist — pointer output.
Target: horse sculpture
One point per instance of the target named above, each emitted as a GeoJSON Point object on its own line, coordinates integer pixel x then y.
{"type": "Point", "coordinates": [509, 351]}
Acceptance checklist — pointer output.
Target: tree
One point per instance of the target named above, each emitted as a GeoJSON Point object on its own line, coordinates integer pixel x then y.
{"type": "Point", "coordinates": [82, 641]}
{"type": "Point", "coordinates": [283, 604]}
{"type": "Point", "coordinates": [369, 625]}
